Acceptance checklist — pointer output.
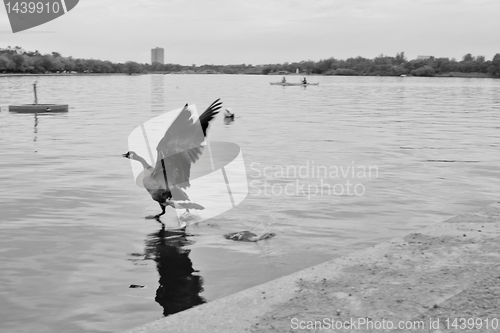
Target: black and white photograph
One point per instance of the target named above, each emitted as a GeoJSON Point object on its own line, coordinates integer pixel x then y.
{"type": "Point", "coordinates": [242, 166]}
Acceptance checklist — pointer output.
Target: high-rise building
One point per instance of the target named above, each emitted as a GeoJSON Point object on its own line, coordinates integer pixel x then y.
{"type": "Point", "coordinates": [157, 55]}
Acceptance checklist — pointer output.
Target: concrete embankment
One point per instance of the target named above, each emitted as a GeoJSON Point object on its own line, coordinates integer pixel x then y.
{"type": "Point", "coordinates": [421, 282]}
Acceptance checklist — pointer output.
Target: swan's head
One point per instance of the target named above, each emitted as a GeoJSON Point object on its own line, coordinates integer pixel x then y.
{"type": "Point", "coordinates": [268, 235]}
{"type": "Point", "coordinates": [129, 155]}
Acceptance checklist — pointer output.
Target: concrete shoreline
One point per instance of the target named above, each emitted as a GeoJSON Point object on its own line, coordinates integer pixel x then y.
{"type": "Point", "coordinates": [423, 280]}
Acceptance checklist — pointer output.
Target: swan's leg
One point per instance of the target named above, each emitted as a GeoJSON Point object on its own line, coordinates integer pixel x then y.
{"type": "Point", "coordinates": [162, 210]}
{"type": "Point", "coordinates": [157, 217]}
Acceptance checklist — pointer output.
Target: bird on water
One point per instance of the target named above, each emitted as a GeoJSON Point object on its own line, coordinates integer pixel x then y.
{"type": "Point", "coordinates": [228, 113]}
{"type": "Point", "coordinates": [247, 236]}
{"type": "Point", "coordinates": [182, 145]}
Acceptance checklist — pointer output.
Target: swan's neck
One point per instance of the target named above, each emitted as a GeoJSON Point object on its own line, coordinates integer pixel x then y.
{"type": "Point", "coordinates": [143, 161]}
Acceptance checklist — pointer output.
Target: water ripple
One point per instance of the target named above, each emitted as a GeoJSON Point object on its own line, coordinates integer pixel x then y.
{"type": "Point", "coordinates": [70, 214]}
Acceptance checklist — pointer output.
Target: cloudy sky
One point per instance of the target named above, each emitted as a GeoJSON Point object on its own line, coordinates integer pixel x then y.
{"type": "Point", "coordinates": [264, 31]}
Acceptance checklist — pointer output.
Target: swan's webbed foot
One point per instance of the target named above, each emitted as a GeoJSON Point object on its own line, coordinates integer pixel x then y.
{"type": "Point", "coordinates": [157, 216]}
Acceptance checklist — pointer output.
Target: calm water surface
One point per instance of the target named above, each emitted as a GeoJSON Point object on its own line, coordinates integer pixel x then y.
{"type": "Point", "coordinates": [362, 160]}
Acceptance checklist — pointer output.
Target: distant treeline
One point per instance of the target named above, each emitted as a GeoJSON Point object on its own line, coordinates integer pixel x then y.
{"type": "Point", "coordinates": [394, 66]}
{"type": "Point", "coordinates": [17, 60]}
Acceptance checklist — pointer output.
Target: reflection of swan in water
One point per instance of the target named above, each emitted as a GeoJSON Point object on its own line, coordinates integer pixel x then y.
{"type": "Point", "coordinates": [180, 286]}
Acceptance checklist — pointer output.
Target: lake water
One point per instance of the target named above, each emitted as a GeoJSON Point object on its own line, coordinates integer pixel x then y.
{"type": "Point", "coordinates": [331, 169]}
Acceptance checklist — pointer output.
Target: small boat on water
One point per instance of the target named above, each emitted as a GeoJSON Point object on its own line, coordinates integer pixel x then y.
{"type": "Point", "coordinates": [38, 108]}
{"type": "Point", "coordinates": [293, 84]}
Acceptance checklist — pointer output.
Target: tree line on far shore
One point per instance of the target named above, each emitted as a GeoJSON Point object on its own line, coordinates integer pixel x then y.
{"type": "Point", "coordinates": [18, 60]}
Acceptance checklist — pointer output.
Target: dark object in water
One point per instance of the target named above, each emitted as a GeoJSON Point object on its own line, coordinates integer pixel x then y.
{"type": "Point", "coordinates": [136, 286]}
{"type": "Point", "coordinates": [293, 84]}
{"type": "Point", "coordinates": [180, 284]}
{"type": "Point", "coordinates": [38, 108]}
{"type": "Point", "coordinates": [247, 236]}
{"type": "Point", "coordinates": [228, 113]}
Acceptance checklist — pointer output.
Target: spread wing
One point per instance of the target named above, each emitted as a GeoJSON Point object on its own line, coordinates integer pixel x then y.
{"type": "Point", "coordinates": [182, 145]}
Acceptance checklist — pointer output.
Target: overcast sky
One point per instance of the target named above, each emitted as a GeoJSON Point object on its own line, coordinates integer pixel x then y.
{"type": "Point", "coordinates": [265, 31]}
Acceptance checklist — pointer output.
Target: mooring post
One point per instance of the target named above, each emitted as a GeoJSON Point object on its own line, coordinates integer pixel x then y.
{"type": "Point", "coordinates": [34, 89]}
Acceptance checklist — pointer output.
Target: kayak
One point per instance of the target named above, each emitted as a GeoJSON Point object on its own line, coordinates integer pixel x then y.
{"type": "Point", "coordinates": [293, 84]}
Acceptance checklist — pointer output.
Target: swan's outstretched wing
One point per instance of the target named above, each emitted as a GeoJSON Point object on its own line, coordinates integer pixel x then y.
{"type": "Point", "coordinates": [182, 145]}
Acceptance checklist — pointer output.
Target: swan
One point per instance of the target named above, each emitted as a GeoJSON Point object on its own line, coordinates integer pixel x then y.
{"type": "Point", "coordinates": [181, 146]}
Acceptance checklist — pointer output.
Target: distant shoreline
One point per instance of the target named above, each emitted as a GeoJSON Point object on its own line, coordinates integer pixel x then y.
{"type": "Point", "coordinates": [451, 74]}
{"type": "Point", "coordinates": [68, 74]}
{"type": "Point", "coordinates": [472, 75]}
{"type": "Point", "coordinates": [17, 61]}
